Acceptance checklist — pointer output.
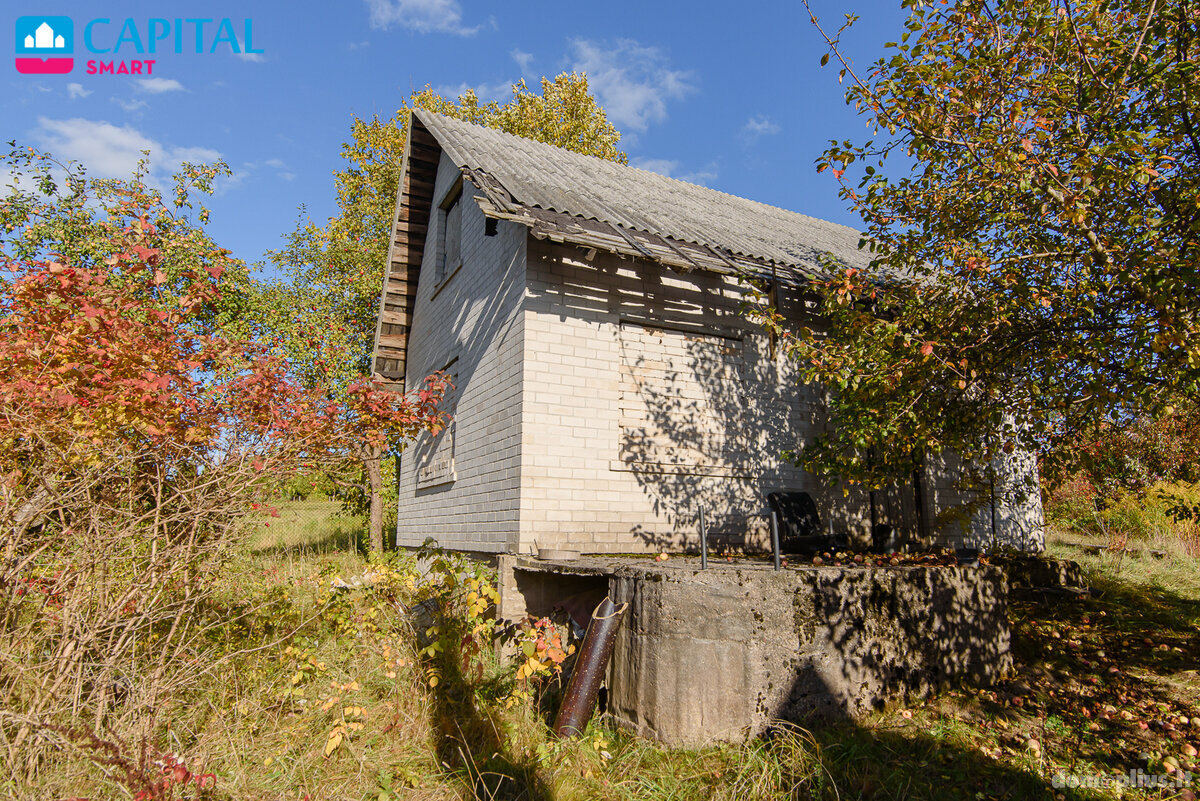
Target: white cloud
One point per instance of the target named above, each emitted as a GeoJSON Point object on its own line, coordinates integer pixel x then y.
{"type": "Point", "coordinates": [633, 82]}
{"type": "Point", "coordinates": [660, 166]}
{"type": "Point", "coordinates": [422, 16]}
{"type": "Point", "coordinates": [670, 169]}
{"type": "Point", "coordinates": [256, 58]}
{"type": "Point", "coordinates": [757, 126]}
{"type": "Point", "coordinates": [159, 85]}
{"type": "Point", "coordinates": [282, 167]}
{"type": "Point", "coordinates": [249, 168]}
{"type": "Point", "coordinates": [486, 92]}
{"type": "Point", "coordinates": [107, 151]}
{"type": "Point", "coordinates": [76, 91]}
{"type": "Point", "coordinates": [130, 105]}
{"type": "Point", "coordinates": [701, 176]}
{"type": "Point", "coordinates": [359, 45]}
{"type": "Point", "coordinates": [522, 58]}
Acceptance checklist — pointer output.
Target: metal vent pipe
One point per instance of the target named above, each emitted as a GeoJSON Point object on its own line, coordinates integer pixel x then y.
{"type": "Point", "coordinates": [584, 686]}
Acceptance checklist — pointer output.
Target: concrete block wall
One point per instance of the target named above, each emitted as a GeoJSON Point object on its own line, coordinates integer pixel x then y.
{"type": "Point", "coordinates": [471, 324]}
{"type": "Point", "coordinates": [724, 654]}
{"type": "Point", "coordinates": [705, 656]}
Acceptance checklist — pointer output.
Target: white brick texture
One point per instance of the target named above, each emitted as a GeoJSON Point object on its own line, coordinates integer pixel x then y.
{"type": "Point", "coordinates": [600, 403]}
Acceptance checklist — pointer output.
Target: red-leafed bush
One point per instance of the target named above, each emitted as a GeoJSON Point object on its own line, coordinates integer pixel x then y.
{"type": "Point", "coordinates": [136, 442]}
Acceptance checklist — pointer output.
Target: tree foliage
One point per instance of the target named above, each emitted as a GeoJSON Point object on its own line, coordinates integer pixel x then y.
{"type": "Point", "coordinates": [1030, 200]}
{"type": "Point", "coordinates": [51, 212]}
{"type": "Point", "coordinates": [137, 441]}
{"type": "Point", "coordinates": [322, 314]}
{"type": "Point", "coordinates": [338, 267]}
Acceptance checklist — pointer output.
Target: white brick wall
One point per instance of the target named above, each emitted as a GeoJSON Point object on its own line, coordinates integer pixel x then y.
{"type": "Point", "coordinates": [473, 322]}
{"type": "Point", "coordinates": [600, 403]}
{"type": "Point", "coordinates": [646, 395]}
{"type": "Point", "coordinates": [635, 414]}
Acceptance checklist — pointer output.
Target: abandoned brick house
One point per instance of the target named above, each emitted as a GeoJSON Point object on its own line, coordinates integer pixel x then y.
{"type": "Point", "coordinates": [607, 386]}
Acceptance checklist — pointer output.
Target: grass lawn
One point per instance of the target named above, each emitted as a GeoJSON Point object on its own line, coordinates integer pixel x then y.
{"type": "Point", "coordinates": [310, 526]}
{"type": "Point", "coordinates": [328, 697]}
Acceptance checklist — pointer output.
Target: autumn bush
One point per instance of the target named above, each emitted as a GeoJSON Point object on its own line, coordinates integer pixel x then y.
{"type": "Point", "coordinates": [138, 440]}
{"type": "Point", "coordinates": [1139, 481]}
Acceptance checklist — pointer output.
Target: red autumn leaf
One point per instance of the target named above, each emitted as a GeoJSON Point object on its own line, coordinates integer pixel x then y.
{"type": "Point", "coordinates": [148, 255]}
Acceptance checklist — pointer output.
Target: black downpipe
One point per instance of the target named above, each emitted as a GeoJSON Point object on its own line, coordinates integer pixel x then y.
{"type": "Point", "coordinates": [775, 535]}
{"type": "Point", "coordinates": [584, 686]}
{"type": "Point", "coordinates": [919, 497]}
{"type": "Point", "coordinates": [703, 541]}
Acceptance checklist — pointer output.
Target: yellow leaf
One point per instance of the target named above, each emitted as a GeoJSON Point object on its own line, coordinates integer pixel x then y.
{"type": "Point", "coordinates": [335, 739]}
{"type": "Point", "coordinates": [325, 707]}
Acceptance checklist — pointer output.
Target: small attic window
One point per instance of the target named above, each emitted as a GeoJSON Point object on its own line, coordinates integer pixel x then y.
{"type": "Point", "coordinates": [450, 227]}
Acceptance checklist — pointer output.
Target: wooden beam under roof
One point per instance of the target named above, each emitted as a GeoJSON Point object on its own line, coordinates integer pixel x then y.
{"type": "Point", "coordinates": [415, 201]}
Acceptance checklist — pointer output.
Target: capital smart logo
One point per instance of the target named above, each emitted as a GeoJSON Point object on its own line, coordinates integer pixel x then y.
{"type": "Point", "coordinates": [129, 46]}
{"type": "Point", "coordinates": [45, 45]}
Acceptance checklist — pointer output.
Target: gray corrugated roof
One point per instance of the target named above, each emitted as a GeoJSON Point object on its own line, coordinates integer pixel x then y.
{"type": "Point", "coordinates": [547, 177]}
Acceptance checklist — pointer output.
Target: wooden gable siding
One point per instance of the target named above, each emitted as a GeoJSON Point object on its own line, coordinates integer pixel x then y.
{"type": "Point", "coordinates": [405, 254]}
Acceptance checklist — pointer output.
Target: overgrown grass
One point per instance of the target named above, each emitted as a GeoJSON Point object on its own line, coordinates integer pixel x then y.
{"type": "Point", "coordinates": [310, 526]}
{"type": "Point", "coordinates": [1163, 563]}
{"type": "Point", "coordinates": [1162, 516]}
{"type": "Point", "coordinates": [327, 696]}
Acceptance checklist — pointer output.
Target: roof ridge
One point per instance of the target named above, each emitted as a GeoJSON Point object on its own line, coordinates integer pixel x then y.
{"type": "Point", "coordinates": [656, 175]}
{"type": "Point", "coordinates": [542, 176]}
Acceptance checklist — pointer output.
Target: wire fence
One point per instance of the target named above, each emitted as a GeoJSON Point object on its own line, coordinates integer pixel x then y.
{"type": "Point", "coordinates": [312, 525]}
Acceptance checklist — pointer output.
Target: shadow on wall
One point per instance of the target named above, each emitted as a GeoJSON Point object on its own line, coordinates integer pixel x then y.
{"type": "Point", "coordinates": [868, 638]}
{"type": "Point", "coordinates": [706, 414]}
{"type": "Point", "coordinates": [827, 644]}
{"type": "Point", "coordinates": [705, 410]}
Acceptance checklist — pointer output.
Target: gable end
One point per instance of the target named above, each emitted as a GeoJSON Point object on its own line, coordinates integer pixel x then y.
{"type": "Point", "coordinates": [414, 201]}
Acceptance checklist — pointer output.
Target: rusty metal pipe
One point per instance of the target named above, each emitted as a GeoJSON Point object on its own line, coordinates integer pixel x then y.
{"type": "Point", "coordinates": [584, 686]}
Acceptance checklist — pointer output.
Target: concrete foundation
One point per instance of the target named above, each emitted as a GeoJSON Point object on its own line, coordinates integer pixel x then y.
{"type": "Point", "coordinates": [721, 654]}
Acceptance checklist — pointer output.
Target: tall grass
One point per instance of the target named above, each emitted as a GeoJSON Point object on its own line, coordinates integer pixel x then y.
{"type": "Point", "coordinates": [316, 525]}
{"type": "Point", "coordinates": [1161, 516]}
{"type": "Point", "coordinates": [313, 692]}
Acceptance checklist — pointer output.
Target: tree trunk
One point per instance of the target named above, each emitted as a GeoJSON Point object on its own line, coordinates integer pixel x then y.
{"type": "Point", "coordinates": [375, 479]}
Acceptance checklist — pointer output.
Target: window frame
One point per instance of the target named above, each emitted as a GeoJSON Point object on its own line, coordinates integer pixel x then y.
{"type": "Point", "coordinates": [450, 212]}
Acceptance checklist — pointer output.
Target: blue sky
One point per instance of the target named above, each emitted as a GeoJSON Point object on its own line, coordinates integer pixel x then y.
{"type": "Point", "coordinates": [728, 95]}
